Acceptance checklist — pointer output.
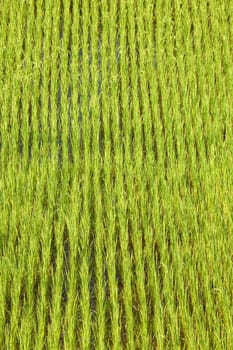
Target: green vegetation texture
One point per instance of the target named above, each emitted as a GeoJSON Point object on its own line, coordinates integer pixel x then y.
{"type": "Point", "coordinates": [116, 174]}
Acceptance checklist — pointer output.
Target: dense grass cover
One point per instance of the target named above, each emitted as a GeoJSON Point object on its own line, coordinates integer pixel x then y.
{"type": "Point", "coordinates": [116, 174]}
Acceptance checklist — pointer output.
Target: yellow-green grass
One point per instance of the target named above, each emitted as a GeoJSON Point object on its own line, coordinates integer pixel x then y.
{"type": "Point", "coordinates": [116, 175]}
